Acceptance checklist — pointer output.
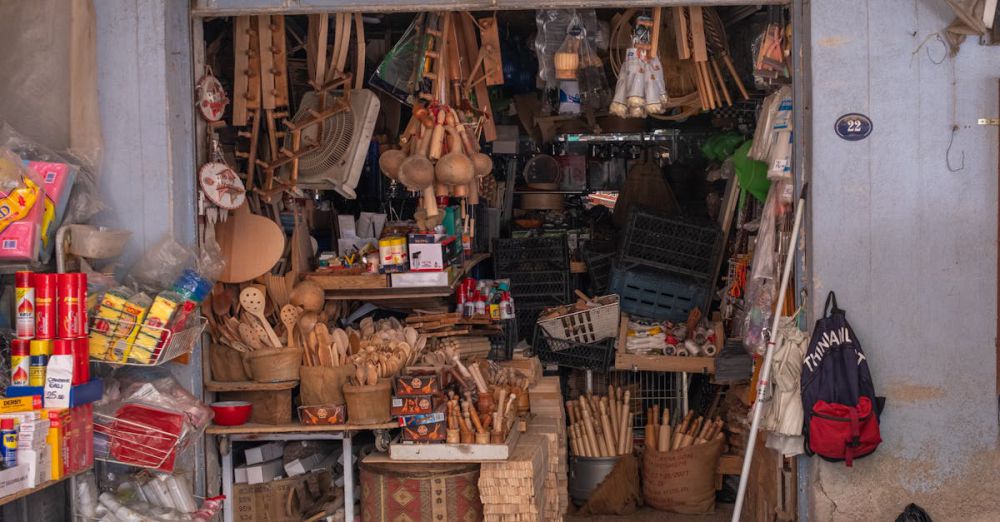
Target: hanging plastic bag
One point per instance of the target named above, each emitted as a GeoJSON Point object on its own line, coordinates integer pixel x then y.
{"type": "Point", "coordinates": [552, 26]}
{"type": "Point", "coordinates": [594, 92]}
{"type": "Point", "coordinates": [396, 74]}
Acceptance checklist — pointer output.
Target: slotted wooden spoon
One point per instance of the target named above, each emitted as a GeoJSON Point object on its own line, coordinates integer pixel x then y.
{"type": "Point", "coordinates": [290, 317]}
{"type": "Point", "coordinates": [252, 300]}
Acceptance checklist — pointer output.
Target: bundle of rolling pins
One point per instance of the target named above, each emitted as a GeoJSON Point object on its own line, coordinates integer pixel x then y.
{"type": "Point", "coordinates": [688, 432]}
{"type": "Point", "coordinates": [600, 426]}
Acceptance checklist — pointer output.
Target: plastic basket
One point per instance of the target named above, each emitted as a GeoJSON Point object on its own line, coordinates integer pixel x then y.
{"type": "Point", "coordinates": [572, 354]}
{"type": "Point", "coordinates": [660, 296]}
{"type": "Point", "coordinates": [551, 284]}
{"type": "Point", "coordinates": [587, 326]}
{"type": "Point", "coordinates": [150, 346]}
{"type": "Point", "coordinates": [599, 266]}
{"type": "Point", "coordinates": [676, 245]}
{"type": "Point", "coordinates": [530, 254]}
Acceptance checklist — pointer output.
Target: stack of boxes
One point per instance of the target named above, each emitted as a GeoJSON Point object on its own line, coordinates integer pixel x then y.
{"type": "Point", "coordinates": [419, 404]}
{"type": "Point", "coordinates": [549, 422]}
{"type": "Point", "coordinates": [48, 405]}
{"type": "Point", "coordinates": [538, 270]}
{"type": "Point", "coordinates": [434, 260]}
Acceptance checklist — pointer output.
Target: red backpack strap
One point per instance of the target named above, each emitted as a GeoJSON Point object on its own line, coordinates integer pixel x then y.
{"type": "Point", "coordinates": [855, 440]}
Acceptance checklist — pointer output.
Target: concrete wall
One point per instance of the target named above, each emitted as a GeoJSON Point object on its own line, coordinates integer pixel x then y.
{"type": "Point", "coordinates": [910, 249]}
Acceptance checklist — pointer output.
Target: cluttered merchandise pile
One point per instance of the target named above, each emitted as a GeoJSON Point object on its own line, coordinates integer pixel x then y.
{"type": "Point", "coordinates": [442, 273]}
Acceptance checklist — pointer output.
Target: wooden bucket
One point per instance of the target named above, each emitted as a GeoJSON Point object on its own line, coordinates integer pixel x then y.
{"type": "Point", "coordinates": [368, 404]}
{"type": "Point", "coordinates": [274, 364]}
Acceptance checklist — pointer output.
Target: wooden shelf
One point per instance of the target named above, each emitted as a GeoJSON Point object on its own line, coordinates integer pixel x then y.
{"type": "Point", "coordinates": [656, 363]}
{"type": "Point", "coordinates": [730, 465]}
{"type": "Point", "coordinates": [389, 294]}
{"type": "Point", "coordinates": [219, 386]}
{"type": "Point", "coordinates": [25, 492]}
{"type": "Point", "coordinates": [251, 429]}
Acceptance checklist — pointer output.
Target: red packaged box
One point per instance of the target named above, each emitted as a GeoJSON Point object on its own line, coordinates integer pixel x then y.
{"type": "Point", "coordinates": [416, 405]}
{"type": "Point", "coordinates": [410, 385]}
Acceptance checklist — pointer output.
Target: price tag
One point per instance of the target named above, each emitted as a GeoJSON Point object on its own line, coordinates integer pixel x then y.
{"type": "Point", "coordinates": [853, 126]}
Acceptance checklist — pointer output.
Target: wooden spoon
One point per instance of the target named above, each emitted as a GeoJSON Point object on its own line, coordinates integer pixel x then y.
{"type": "Point", "coordinates": [290, 317]}
{"type": "Point", "coordinates": [252, 300]}
{"type": "Point", "coordinates": [250, 337]}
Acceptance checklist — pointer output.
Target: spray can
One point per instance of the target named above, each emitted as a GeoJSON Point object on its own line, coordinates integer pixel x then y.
{"type": "Point", "coordinates": [81, 360]}
{"type": "Point", "coordinates": [40, 351]}
{"type": "Point", "coordinates": [24, 305]}
{"type": "Point", "coordinates": [81, 284]}
{"type": "Point", "coordinates": [9, 447]}
{"type": "Point", "coordinates": [45, 305]}
{"type": "Point", "coordinates": [506, 306]}
{"type": "Point", "coordinates": [69, 323]}
{"type": "Point", "coordinates": [20, 362]}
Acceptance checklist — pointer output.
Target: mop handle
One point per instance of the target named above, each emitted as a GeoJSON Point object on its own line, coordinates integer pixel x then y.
{"type": "Point", "coordinates": [765, 371]}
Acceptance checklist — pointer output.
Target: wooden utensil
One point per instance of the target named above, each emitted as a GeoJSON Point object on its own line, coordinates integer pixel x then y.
{"type": "Point", "coordinates": [249, 336]}
{"type": "Point", "coordinates": [290, 318]}
{"type": "Point", "coordinates": [252, 300]}
{"type": "Point", "coordinates": [250, 245]}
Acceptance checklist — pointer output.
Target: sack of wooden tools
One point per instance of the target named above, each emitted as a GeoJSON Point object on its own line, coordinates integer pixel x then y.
{"type": "Point", "coordinates": [679, 463]}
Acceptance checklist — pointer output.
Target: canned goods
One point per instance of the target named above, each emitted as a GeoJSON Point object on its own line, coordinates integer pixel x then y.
{"type": "Point", "coordinates": [81, 283]}
{"type": "Point", "coordinates": [81, 360]}
{"type": "Point", "coordinates": [69, 321]}
{"type": "Point", "coordinates": [20, 362]}
{"type": "Point", "coordinates": [45, 305]}
{"type": "Point", "coordinates": [36, 370]}
{"type": "Point", "coordinates": [24, 297]}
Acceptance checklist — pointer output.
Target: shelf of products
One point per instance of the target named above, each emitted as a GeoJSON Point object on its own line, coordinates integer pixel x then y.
{"type": "Point", "coordinates": [384, 294]}
{"type": "Point", "coordinates": [660, 135]}
{"type": "Point", "coordinates": [25, 492]}
{"type": "Point", "coordinates": [249, 429]}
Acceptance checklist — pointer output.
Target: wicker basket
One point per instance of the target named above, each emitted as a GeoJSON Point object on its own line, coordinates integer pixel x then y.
{"type": "Point", "coordinates": [368, 404]}
{"type": "Point", "coordinates": [274, 365]}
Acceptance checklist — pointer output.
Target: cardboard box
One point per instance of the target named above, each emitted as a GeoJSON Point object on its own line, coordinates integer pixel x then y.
{"type": "Point", "coordinates": [32, 434]}
{"type": "Point", "coordinates": [265, 471]}
{"type": "Point", "coordinates": [410, 385]}
{"type": "Point", "coordinates": [433, 252]}
{"type": "Point", "coordinates": [59, 425]}
{"type": "Point", "coordinates": [13, 480]}
{"type": "Point", "coordinates": [256, 502]}
{"type": "Point", "coordinates": [424, 428]}
{"type": "Point", "coordinates": [324, 414]}
{"type": "Point", "coordinates": [264, 452]}
{"type": "Point", "coordinates": [420, 279]}
{"type": "Point", "coordinates": [240, 475]}
{"type": "Point", "coordinates": [17, 404]}
{"type": "Point", "coordinates": [415, 405]}
{"type": "Point", "coordinates": [304, 465]}
{"type": "Point", "coordinates": [39, 462]}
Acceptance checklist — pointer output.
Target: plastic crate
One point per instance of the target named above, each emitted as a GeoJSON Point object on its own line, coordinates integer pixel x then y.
{"type": "Point", "coordinates": [679, 246]}
{"type": "Point", "coordinates": [502, 344]}
{"type": "Point", "coordinates": [555, 284]}
{"type": "Point", "coordinates": [572, 354]}
{"type": "Point", "coordinates": [599, 266]}
{"type": "Point", "coordinates": [530, 254]}
{"type": "Point", "coordinates": [586, 326]}
{"type": "Point", "coordinates": [657, 295]}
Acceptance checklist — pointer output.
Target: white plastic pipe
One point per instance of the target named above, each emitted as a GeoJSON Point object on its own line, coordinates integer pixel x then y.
{"type": "Point", "coordinates": [765, 371]}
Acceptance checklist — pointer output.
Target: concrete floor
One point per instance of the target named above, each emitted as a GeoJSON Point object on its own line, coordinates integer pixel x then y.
{"type": "Point", "coordinates": [723, 513]}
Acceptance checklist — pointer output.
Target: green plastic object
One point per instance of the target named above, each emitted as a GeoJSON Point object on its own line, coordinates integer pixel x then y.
{"type": "Point", "coordinates": [451, 212]}
{"type": "Point", "coordinates": [751, 174]}
{"type": "Point", "coordinates": [721, 146]}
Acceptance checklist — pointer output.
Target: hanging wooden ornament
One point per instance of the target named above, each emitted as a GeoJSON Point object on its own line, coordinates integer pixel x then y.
{"type": "Point", "coordinates": [222, 186]}
{"type": "Point", "coordinates": [212, 99]}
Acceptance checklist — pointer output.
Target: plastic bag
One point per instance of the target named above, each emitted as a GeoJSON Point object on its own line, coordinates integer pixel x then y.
{"type": "Point", "coordinates": [396, 75]}
{"type": "Point", "coordinates": [594, 91]}
{"type": "Point", "coordinates": [553, 25]}
{"type": "Point", "coordinates": [22, 209]}
{"type": "Point", "coordinates": [168, 262]}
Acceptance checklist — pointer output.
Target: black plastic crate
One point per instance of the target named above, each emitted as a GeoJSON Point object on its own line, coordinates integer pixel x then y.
{"type": "Point", "coordinates": [677, 245]}
{"type": "Point", "coordinates": [502, 344]}
{"type": "Point", "coordinates": [555, 284]}
{"type": "Point", "coordinates": [586, 356]}
{"type": "Point", "coordinates": [599, 266]}
{"type": "Point", "coordinates": [530, 254]}
{"type": "Point", "coordinates": [658, 295]}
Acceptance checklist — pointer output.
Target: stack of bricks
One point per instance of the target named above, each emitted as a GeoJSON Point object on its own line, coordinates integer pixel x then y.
{"type": "Point", "coordinates": [513, 490]}
{"type": "Point", "coordinates": [549, 421]}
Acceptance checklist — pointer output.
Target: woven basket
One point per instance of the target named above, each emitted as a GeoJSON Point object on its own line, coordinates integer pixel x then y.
{"type": "Point", "coordinates": [274, 364]}
{"type": "Point", "coordinates": [368, 404]}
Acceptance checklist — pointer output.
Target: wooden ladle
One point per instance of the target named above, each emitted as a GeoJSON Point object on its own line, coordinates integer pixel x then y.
{"type": "Point", "coordinates": [252, 300]}
{"type": "Point", "coordinates": [290, 317]}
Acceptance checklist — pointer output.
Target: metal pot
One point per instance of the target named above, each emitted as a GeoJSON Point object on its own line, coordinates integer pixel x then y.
{"type": "Point", "coordinates": [586, 473]}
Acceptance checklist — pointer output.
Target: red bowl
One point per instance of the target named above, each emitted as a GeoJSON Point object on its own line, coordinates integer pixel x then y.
{"type": "Point", "coordinates": [232, 413]}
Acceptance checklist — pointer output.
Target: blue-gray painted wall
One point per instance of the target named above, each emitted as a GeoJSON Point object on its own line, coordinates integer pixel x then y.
{"type": "Point", "coordinates": [911, 250]}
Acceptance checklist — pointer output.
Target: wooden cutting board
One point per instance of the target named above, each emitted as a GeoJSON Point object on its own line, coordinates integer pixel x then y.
{"type": "Point", "coordinates": [250, 245]}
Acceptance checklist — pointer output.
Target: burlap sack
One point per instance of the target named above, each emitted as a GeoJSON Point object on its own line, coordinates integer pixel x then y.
{"type": "Point", "coordinates": [618, 493]}
{"type": "Point", "coordinates": [226, 364]}
{"type": "Point", "coordinates": [683, 480]}
{"type": "Point", "coordinates": [323, 385]}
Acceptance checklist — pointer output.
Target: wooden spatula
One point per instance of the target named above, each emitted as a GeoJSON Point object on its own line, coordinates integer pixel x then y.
{"type": "Point", "coordinates": [290, 317]}
{"type": "Point", "coordinates": [252, 300]}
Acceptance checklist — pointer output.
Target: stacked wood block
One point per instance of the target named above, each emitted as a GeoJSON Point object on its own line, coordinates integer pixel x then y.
{"type": "Point", "coordinates": [549, 421]}
{"type": "Point", "coordinates": [513, 490]}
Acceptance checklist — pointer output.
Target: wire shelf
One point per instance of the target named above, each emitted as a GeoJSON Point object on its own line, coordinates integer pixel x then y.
{"type": "Point", "coordinates": [645, 389]}
{"type": "Point", "coordinates": [123, 342]}
{"type": "Point", "coordinates": [132, 443]}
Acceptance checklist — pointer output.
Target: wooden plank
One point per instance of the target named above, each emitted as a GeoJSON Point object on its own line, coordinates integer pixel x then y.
{"type": "Point", "coordinates": [241, 66]}
{"type": "Point", "coordinates": [251, 429]}
{"type": "Point", "coordinates": [331, 281]}
{"type": "Point", "coordinates": [25, 492]}
{"type": "Point", "coordinates": [267, 90]}
{"type": "Point", "coordinates": [426, 453]}
{"type": "Point", "coordinates": [700, 50]}
{"type": "Point", "coordinates": [730, 465]}
{"type": "Point", "coordinates": [279, 60]}
{"type": "Point", "coordinates": [681, 30]}
{"type": "Point", "coordinates": [222, 386]}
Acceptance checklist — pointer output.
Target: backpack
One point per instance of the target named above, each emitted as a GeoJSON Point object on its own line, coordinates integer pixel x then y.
{"type": "Point", "coordinates": [840, 420]}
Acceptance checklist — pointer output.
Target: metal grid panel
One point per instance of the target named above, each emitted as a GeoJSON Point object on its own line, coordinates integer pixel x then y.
{"type": "Point", "coordinates": [668, 390]}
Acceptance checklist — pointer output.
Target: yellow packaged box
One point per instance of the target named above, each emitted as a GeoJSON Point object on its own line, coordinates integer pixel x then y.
{"type": "Point", "coordinates": [18, 404]}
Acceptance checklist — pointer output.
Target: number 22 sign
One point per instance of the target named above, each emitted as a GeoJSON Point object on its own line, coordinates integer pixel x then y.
{"type": "Point", "coordinates": [853, 126]}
